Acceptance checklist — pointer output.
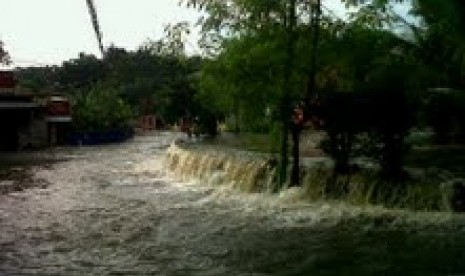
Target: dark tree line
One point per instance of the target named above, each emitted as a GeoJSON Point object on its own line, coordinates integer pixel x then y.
{"type": "Point", "coordinates": [134, 77]}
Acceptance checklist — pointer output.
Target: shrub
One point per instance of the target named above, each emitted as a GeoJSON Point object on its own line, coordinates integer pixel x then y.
{"type": "Point", "coordinates": [100, 109]}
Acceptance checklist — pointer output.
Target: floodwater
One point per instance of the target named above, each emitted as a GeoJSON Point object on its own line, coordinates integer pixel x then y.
{"type": "Point", "coordinates": [114, 210]}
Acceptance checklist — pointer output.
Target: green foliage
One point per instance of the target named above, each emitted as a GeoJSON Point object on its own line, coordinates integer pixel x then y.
{"type": "Point", "coordinates": [101, 109]}
{"type": "Point", "coordinates": [80, 73]}
{"type": "Point", "coordinates": [423, 193]}
{"type": "Point", "coordinates": [438, 41]}
{"type": "Point", "coordinates": [246, 76]}
{"type": "Point", "coordinates": [36, 79]}
{"type": "Point", "coordinates": [174, 42]}
{"type": "Point", "coordinates": [165, 81]}
{"type": "Point", "coordinates": [260, 57]}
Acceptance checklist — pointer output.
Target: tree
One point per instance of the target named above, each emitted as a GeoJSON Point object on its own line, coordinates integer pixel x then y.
{"type": "Point", "coordinates": [100, 110]}
{"type": "Point", "coordinates": [4, 56]}
{"type": "Point", "coordinates": [173, 43]}
{"type": "Point", "coordinates": [82, 72]}
{"type": "Point", "coordinates": [262, 47]}
{"type": "Point", "coordinates": [438, 37]}
{"type": "Point", "coordinates": [37, 79]}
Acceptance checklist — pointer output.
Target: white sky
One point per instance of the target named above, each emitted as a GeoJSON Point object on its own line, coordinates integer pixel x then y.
{"type": "Point", "coordinates": [50, 31]}
{"type": "Point", "coordinates": [38, 32]}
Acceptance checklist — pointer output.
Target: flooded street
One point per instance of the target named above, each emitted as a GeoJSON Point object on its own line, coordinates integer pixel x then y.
{"type": "Point", "coordinates": [114, 210]}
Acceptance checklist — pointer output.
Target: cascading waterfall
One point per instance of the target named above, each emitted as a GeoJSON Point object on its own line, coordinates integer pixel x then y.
{"type": "Point", "coordinates": [253, 173]}
{"type": "Point", "coordinates": [220, 168]}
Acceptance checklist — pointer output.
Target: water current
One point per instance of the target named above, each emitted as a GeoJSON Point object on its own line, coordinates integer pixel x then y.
{"type": "Point", "coordinates": [115, 210]}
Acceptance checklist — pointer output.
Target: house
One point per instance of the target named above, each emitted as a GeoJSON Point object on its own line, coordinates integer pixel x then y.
{"type": "Point", "coordinates": [27, 121]}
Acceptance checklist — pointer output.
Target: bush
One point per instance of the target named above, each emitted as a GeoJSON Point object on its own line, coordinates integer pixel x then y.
{"type": "Point", "coordinates": [99, 110]}
{"type": "Point", "coordinates": [382, 117]}
{"type": "Point", "coordinates": [422, 193]}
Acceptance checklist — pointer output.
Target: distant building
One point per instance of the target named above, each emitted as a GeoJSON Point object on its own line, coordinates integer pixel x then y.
{"type": "Point", "coordinates": [58, 119]}
{"type": "Point", "coordinates": [29, 122]}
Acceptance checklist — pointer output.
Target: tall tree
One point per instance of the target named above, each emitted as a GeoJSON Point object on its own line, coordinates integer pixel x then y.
{"type": "Point", "coordinates": [438, 36]}
{"type": "Point", "coordinates": [267, 44]}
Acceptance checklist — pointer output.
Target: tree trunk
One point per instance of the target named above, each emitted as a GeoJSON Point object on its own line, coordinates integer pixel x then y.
{"type": "Point", "coordinates": [291, 20]}
{"type": "Point", "coordinates": [283, 161]}
{"type": "Point", "coordinates": [295, 176]}
{"type": "Point", "coordinates": [236, 111]}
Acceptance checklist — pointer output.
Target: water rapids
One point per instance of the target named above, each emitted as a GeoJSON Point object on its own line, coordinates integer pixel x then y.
{"type": "Point", "coordinates": [117, 210]}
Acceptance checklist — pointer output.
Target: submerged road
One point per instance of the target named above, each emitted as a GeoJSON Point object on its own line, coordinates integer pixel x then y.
{"type": "Point", "coordinates": [113, 210]}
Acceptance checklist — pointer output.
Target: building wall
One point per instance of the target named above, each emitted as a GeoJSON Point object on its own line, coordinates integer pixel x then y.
{"type": "Point", "coordinates": [34, 135]}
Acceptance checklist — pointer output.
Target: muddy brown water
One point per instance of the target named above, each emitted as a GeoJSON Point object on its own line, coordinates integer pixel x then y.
{"type": "Point", "coordinates": [114, 210]}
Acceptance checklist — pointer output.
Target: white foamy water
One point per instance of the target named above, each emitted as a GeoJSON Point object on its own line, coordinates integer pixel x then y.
{"type": "Point", "coordinates": [117, 210]}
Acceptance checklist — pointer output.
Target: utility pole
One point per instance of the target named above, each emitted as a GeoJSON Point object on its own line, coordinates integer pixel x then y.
{"type": "Point", "coordinates": [95, 23]}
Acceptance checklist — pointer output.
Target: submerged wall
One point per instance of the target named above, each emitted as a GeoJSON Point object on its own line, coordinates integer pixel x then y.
{"type": "Point", "coordinates": [239, 170]}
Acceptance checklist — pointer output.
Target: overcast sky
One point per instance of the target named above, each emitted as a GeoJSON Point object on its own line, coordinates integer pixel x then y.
{"type": "Point", "coordinates": [50, 31]}
{"type": "Point", "coordinates": [38, 32]}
